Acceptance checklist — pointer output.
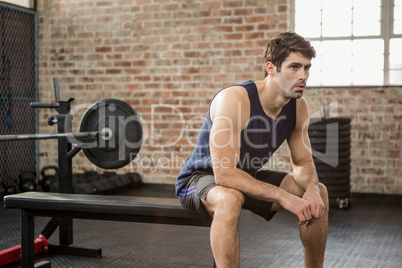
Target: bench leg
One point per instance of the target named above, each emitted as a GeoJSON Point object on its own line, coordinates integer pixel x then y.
{"type": "Point", "coordinates": [27, 242]}
{"type": "Point", "coordinates": [66, 231]}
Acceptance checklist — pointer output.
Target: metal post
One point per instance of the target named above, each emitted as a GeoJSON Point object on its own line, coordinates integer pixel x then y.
{"type": "Point", "coordinates": [65, 170]}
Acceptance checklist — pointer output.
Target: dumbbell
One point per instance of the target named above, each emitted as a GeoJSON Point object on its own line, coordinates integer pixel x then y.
{"type": "Point", "coordinates": [113, 179]}
{"type": "Point", "coordinates": [135, 179]}
{"type": "Point", "coordinates": [82, 185]}
{"type": "Point", "coordinates": [27, 180]}
{"type": "Point", "coordinates": [50, 179]}
{"type": "Point", "coordinates": [121, 183]}
{"type": "Point", "coordinates": [102, 184]}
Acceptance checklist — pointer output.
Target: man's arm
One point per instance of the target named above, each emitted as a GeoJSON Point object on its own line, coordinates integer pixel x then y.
{"type": "Point", "coordinates": [302, 162]}
{"type": "Point", "coordinates": [230, 113]}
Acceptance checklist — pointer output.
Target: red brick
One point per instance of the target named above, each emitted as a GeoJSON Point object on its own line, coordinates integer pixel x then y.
{"type": "Point", "coordinates": [233, 36]}
{"type": "Point", "coordinates": [211, 5]}
{"type": "Point", "coordinates": [245, 28]}
{"type": "Point", "coordinates": [232, 3]}
{"type": "Point", "coordinates": [103, 49]}
{"type": "Point", "coordinates": [243, 12]}
{"type": "Point", "coordinates": [255, 19]}
{"type": "Point", "coordinates": [282, 8]}
{"type": "Point", "coordinates": [254, 35]}
{"type": "Point", "coordinates": [233, 20]}
{"type": "Point", "coordinates": [170, 7]}
{"type": "Point", "coordinates": [224, 28]}
{"type": "Point", "coordinates": [192, 54]}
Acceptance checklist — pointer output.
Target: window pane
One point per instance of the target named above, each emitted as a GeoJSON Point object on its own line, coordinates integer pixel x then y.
{"type": "Point", "coordinates": [395, 57]}
{"type": "Point", "coordinates": [308, 18]}
{"type": "Point", "coordinates": [398, 12]}
{"type": "Point", "coordinates": [315, 71]}
{"type": "Point", "coordinates": [395, 61]}
{"type": "Point", "coordinates": [398, 27]}
{"type": "Point", "coordinates": [397, 19]}
{"type": "Point", "coordinates": [395, 77]}
{"type": "Point", "coordinates": [337, 62]}
{"type": "Point", "coordinates": [366, 17]}
{"type": "Point", "coordinates": [368, 62]}
{"type": "Point", "coordinates": [336, 18]}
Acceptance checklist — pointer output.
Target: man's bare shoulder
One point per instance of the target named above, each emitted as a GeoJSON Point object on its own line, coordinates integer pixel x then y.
{"type": "Point", "coordinates": [302, 102]}
{"type": "Point", "coordinates": [302, 111]}
{"type": "Point", "coordinates": [232, 100]}
{"type": "Point", "coordinates": [233, 93]}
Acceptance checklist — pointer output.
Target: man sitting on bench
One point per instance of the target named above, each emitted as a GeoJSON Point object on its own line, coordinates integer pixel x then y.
{"type": "Point", "coordinates": [245, 125]}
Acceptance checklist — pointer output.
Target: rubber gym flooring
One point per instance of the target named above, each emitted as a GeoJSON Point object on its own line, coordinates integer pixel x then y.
{"type": "Point", "coordinates": [368, 234]}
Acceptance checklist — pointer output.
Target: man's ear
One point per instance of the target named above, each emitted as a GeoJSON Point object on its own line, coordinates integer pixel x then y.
{"type": "Point", "coordinates": [270, 68]}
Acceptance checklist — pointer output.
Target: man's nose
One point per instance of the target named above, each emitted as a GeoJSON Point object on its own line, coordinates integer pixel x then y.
{"type": "Point", "coordinates": [303, 75]}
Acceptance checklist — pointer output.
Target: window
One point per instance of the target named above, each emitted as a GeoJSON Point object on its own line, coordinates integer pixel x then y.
{"type": "Point", "coordinates": [358, 42]}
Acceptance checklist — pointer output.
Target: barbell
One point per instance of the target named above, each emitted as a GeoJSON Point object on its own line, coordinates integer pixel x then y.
{"type": "Point", "coordinates": [114, 130]}
{"type": "Point", "coordinates": [22, 137]}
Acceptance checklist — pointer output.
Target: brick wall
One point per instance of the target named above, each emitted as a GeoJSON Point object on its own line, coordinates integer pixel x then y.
{"type": "Point", "coordinates": [376, 132]}
{"type": "Point", "coordinates": [168, 58]}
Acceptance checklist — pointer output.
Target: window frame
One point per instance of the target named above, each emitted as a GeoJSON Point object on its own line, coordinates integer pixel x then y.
{"type": "Point", "coordinates": [386, 34]}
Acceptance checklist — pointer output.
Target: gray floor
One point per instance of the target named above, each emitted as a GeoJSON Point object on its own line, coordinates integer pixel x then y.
{"type": "Point", "coordinates": [369, 234]}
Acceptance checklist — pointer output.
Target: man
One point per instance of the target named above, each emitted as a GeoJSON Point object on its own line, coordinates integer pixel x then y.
{"type": "Point", "coordinates": [244, 126]}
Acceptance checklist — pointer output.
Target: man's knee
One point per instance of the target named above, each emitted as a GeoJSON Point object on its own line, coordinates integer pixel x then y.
{"type": "Point", "coordinates": [323, 193]}
{"type": "Point", "coordinates": [225, 201]}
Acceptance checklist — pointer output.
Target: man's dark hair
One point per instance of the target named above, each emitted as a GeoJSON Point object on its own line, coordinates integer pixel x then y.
{"type": "Point", "coordinates": [279, 48]}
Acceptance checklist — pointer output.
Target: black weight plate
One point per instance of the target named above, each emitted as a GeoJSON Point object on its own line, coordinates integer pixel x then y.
{"type": "Point", "coordinates": [324, 134]}
{"type": "Point", "coordinates": [331, 154]}
{"type": "Point", "coordinates": [330, 120]}
{"type": "Point", "coordinates": [126, 128]}
{"type": "Point", "coordinates": [324, 147]}
{"type": "Point", "coordinates": [323, 127]}
{"type": "Point", "coordinates": [333, 175]}
{"type": "Point", "coordinates": [341, 181]}
{"type": "Point", "coordinates": [338, 188]}
{"type": "Point", "coordinates": [344, 194]}
{"type": "Point", "coordinates": [327, 168]}
{"type": "Point", "coordinates": [331, 162]}
{"type": "Point", "coordinates": [330, 141]}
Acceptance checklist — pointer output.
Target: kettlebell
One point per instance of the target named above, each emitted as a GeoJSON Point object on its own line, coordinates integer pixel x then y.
{"type": "Point", "coordinates": [48, 178]}
{"type": "Point", "coordinates": [10, 185]}
{"type": "Point", "coordinates": [27, 180]}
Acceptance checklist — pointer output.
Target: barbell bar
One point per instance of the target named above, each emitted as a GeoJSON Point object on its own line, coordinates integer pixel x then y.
{"type": "Point", "coordinates": [21, 137]}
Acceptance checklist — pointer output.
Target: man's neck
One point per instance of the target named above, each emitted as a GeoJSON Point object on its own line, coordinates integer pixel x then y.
{"type": "Point", "coordinates": [272, 101]}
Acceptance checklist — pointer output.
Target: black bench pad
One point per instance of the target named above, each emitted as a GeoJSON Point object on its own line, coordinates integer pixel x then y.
{"type": "Point", "coordinates": [123, 208]}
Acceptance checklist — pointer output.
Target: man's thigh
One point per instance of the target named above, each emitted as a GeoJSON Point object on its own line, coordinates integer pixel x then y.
{"type": "Point", "coordinates": [263, 208]}
{"type": "Point", "coordinates": [191, 192]}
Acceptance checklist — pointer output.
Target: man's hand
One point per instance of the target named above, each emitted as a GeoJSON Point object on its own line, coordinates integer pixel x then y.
{"type": "Point", "coordinates": [298, 206]}
{"type": "Point", "coordinates": [316, 205]}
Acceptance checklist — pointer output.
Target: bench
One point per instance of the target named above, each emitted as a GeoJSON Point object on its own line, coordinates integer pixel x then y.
{"type": "Point", "coordinates": [100, 207]}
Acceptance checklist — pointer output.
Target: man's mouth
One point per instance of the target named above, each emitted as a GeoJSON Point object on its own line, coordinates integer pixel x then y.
{"type": "Point", "coordinates": [300, 87]}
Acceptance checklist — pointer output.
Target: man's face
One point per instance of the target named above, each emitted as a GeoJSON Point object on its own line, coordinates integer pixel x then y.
{"type": "Point", "coordinates": [292, 78]}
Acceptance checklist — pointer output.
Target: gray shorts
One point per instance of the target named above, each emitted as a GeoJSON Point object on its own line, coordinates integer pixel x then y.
{"type": "Point", "coordinates": [191, 191]}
